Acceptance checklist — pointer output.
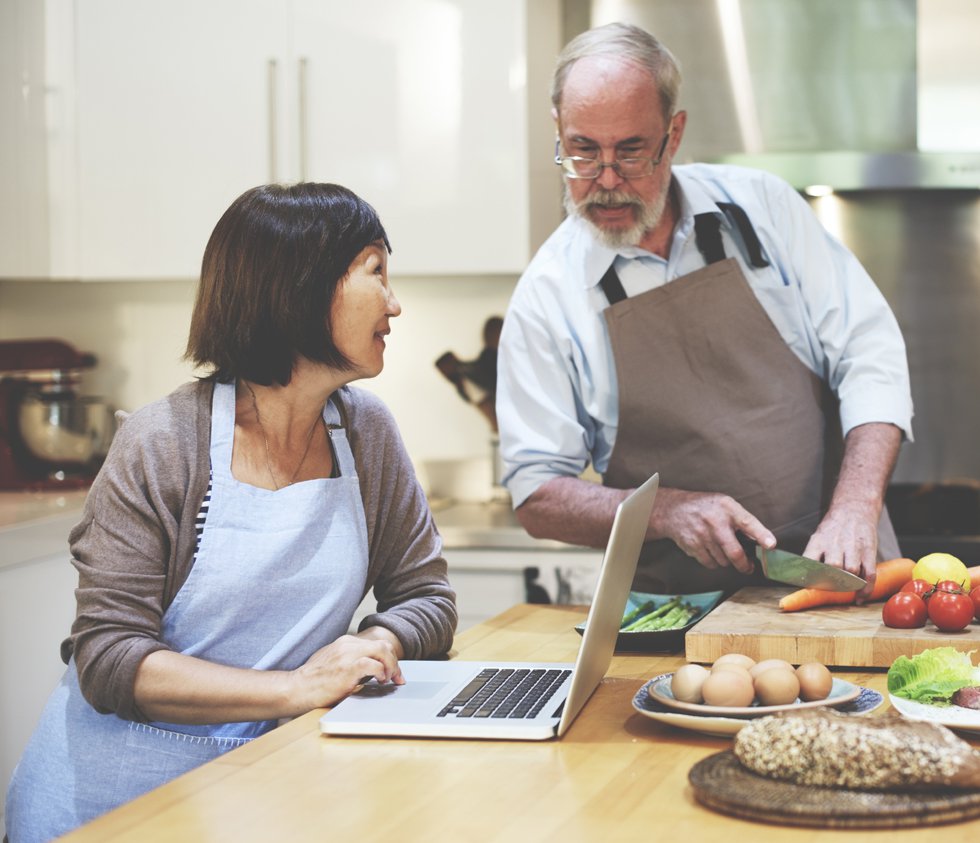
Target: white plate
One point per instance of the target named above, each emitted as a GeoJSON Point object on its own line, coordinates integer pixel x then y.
{"type": "Point", "coordinates": [840, 693]}
{"type": "Point", "coordinates": [866, 701]}
{"type": "Point", "coordinates": [953, 716]}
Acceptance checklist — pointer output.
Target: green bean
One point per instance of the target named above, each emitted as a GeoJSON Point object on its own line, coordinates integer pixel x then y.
{"type": "Point", "coordinates": [639, 612]}
{"type": "Point", "coordinates": [656, 613]}
{"type": "Point", "coordinates": [671, 615]}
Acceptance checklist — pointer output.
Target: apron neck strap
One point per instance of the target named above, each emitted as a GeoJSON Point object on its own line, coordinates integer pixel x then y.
{"type": "Point", "coordinates": [707, 235]}
{"type": "Point", "coordinates": [341, 412]}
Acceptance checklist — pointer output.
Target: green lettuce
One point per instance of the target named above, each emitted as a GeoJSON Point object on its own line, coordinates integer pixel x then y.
{"type": "Point", "coordinates": [932, 676]}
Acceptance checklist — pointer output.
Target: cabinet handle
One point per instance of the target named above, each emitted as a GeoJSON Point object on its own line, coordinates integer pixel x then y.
{"type": "Point", "coordinates": [272, 70]}
{"type": "Point", "coordinates": [303, 122]}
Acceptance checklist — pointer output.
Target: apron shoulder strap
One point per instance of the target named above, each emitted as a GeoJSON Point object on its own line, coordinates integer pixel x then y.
{"type": "Point", "coordinates": [612, 286]}
{"type": "Point", "coordinates": [343, 465]}
{"type": "Point", "coordinates": [707, 234]}
{"type": "Point", "coordinates": [341, 411]}
{"type": "Point", "coordinates": [737, 215]}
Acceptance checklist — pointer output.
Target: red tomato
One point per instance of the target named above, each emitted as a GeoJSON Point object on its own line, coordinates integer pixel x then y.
{"type": "Point", "coordinates": [951, 586]}
{"type": "Point", "coordinates": [951, 611]}
{"type": "Point", "coordinates": [920, 587]}
{"type": "Point", "coordinates": [975, 596]}
{"type": "Point", "coordinates": [904, 610]}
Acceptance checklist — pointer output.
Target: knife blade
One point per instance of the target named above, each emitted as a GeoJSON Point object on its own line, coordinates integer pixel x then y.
{"type": "Point", "coordinates": [784, 567]}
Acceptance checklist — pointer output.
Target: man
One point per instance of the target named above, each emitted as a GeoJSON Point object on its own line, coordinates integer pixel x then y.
{"type": "Point", "coordinates": [697, 321]}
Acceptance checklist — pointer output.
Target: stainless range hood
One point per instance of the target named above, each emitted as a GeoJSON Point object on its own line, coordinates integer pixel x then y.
{"type": "Point", "coordinates": [846, 94]}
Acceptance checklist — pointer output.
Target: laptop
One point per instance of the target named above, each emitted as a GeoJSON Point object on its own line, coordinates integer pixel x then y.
{"type": "Point", "coordinates": [508, 700]}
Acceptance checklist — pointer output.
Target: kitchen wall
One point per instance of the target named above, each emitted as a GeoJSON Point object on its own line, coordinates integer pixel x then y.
{"type": "Point", "coordinates": [138, 331]}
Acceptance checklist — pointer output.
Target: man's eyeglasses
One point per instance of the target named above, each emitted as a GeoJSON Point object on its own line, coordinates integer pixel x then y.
{"type": "Point", "coordinates": [576, 167]}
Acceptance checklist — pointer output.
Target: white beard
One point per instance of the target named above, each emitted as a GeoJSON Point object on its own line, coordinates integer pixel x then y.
{"type": "Point", "coordinates": [647, 216]}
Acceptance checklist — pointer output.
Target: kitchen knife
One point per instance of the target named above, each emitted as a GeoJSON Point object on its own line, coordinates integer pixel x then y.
{"type": "Point", "coordinates": [789, 568]}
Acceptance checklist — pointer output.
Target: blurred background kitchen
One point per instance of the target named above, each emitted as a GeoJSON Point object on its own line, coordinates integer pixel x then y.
{"type": "Point", "coordinates": [130, 125]}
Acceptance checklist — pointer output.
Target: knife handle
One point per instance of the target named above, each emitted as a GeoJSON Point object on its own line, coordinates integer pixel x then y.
{"type": "Point", "coordinates": [748, 545]}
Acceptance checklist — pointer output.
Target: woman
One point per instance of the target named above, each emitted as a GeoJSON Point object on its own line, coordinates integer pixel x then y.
{"type": "Point", "coordinates": [238, 523]}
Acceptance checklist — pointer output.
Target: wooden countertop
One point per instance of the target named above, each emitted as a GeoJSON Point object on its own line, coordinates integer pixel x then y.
{"type": "Point", "coordinates": [491, 525]}
{"type": "Point", "coordinates": [615, 775]}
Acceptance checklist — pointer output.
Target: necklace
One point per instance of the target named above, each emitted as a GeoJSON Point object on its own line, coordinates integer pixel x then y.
{"type": "Point", "coordinates": [268, 453]}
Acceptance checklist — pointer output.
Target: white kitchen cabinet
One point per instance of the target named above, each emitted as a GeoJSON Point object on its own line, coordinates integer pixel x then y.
{"type": "Point", "coordinates": [174, 106]}
{"type": "Point", "coordinates": [421, 107]}
{"type": "Point", "coordinates": [156, 115]}
{"type": "Point", "coordinates": [37, 606]}
{"type": "Point", "coordinates": [33, 142]}
{"type": "Point", "coordinates": [490, 580]}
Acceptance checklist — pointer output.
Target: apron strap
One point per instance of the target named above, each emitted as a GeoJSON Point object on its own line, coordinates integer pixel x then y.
{"type": "Point", "coordinates": [612, 286]}
{"type": "Point", "coordinates": [707, 235]}
{"type": "Point", "coordinates": [737, 215]}
{"type": "Point", "coordinates": [341, 411]}
{"type": "Point", "coordinates": [344, 465]}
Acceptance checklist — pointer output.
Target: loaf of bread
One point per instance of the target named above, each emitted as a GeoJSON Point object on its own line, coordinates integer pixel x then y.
{"type": "Point", "coordinates": [822, 747]}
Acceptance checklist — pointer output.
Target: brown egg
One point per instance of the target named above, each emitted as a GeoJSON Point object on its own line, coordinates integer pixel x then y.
{"type": "Point", "coordinates": [777, 686]}
{"type": "Point", "coordinates": [815, 681]}
{"type": "Point", "coordinates": [733, 668]}
{"type": "Point", "coordinates": [728, 687]}
{"type": "Point", "coordinates": [736, 659]}
{"type": "Point", "coordinates": [686, 683]}
{"type": "Point", "coordinates": [765, 664]}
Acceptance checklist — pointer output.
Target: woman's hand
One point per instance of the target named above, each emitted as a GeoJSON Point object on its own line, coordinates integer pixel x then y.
{"type": "Point", "coordinates": [336, 670]}
{"type": "Point", "coordinates": [182, 689]}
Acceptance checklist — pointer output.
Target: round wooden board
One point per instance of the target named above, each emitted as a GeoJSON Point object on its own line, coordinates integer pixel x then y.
{"type": "Point", "coordinates": [721, 783]}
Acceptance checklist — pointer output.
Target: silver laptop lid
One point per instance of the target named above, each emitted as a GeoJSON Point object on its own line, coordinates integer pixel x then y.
{"type": "Point", "coordinates": [612, 590]}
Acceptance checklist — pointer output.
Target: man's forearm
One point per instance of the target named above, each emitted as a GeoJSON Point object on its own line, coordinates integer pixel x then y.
{"type": "Point", "coordinates": [870, 452]}
{"type": "Point", "coordinates": [571, 510]}
{"type": "Point", "coordinates": [847, 536]}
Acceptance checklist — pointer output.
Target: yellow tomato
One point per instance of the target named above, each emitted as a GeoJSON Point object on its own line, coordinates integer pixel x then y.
{"type": "Point", "coordinates": [935, 567]}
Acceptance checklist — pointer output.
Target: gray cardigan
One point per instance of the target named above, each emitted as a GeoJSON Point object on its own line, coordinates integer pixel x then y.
{"type": "Point", "coordinates": [135, 544]}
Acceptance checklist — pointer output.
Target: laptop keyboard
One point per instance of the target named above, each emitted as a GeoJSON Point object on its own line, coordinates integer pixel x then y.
{"type": "Point", "coordinates": [506, 692]}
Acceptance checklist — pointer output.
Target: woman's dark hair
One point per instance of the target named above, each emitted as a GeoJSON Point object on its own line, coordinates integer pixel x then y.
{"type": "Point", "coordinates": [268, 278]}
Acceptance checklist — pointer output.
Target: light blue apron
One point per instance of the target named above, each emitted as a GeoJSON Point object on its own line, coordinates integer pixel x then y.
{"type": "Point", "coordinates": [278, 575]}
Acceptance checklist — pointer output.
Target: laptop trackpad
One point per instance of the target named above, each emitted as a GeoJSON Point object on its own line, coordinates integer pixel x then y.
{"type": "Point", "coordinates": [417, 690]}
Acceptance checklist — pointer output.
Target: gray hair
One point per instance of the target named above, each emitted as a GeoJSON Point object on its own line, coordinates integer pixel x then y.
{"type": "Point", "coordinates": [627, 42]}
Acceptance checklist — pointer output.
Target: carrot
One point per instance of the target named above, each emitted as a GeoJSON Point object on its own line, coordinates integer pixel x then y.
{"type": "Point", "coordinates": [809, 598]}
{"type": "Point", "coordinates": [890, 576]}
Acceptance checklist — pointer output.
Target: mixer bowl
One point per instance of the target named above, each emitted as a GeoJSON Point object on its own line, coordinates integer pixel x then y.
{"type": "Point", "coordinates": [65, 429]}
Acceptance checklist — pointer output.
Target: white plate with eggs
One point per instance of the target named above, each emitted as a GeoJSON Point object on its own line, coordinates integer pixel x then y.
{"type": "Point", "coordinates": [840, 693]}
{"type": "Point", "coordinates": [654, 700]}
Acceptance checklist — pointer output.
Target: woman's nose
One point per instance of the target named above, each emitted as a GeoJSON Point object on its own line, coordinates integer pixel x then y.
{"type": "Point", "coordinates": [394, 306]}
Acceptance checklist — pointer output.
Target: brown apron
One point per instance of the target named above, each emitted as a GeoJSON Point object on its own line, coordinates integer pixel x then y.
{"type": "Point", "coordinates": [712, 398]}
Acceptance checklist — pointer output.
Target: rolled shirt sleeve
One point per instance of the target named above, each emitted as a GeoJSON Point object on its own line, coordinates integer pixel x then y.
{"type": "Point", "coordinates": [553, 410]}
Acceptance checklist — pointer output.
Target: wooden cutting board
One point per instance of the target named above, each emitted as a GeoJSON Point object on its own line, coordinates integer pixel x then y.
{"type": "Point", "coordinates": [750, 622]}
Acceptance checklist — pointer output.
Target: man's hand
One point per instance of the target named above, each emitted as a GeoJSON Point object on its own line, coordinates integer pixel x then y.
{"type": "Point", "coordinates": [704, 525]}
{"type": "Point", "coordinates": [847, 538]}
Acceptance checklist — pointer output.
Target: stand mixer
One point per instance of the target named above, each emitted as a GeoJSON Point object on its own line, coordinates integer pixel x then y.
{"type": "Point", "coordinates": [50, 436]}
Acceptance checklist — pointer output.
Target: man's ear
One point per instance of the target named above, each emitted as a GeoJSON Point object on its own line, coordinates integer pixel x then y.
{"type": "Point", "coordinates": [678, 123]}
